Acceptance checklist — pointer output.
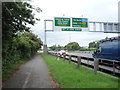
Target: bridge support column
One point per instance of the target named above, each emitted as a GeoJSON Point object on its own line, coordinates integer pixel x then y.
{"type": "Point", "coordinates": [45, 49]}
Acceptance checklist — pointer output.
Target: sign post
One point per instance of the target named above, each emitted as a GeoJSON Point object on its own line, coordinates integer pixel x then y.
{"type": "Point", "coordinates": [119, 27]}
{"type": "Point", "coordinates": [45, 44]}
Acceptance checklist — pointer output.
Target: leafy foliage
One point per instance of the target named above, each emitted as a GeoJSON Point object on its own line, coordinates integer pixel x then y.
{"type": "Point", "coordinates": [17, 40]}
{"type": "Point", "coordinates": [27, 43]}
{"type": "Point", "coordinates": [23, 46]}
{"type": "Point", "coordinates": [54, 47]}
{"type": "Point", "coordinates": [73, 46]}
{"type": "Point", "coordinates": [94, 45]}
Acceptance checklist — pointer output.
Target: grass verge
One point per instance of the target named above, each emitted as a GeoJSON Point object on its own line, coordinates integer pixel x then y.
{"type": "Point", "coordinates": [11, 69]}
{"type": "Point", "coordinates": [68, 76]}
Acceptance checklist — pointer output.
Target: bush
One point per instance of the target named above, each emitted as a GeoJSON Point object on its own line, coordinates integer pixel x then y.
{"type": "Point", "coordinates": [23, 46]}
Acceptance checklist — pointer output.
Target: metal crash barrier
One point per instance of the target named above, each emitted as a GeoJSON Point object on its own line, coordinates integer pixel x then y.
{"type": "Point", "coordinates": [98, 64]}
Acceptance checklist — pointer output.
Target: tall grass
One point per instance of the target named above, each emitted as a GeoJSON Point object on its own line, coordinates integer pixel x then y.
{"type": "Point", "coordinates": [68, 76]}
{"type": "Point", "coordinates": [11, 68]}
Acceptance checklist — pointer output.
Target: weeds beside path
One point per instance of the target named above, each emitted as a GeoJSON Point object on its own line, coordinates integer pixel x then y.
{"type": "Point", "coordinates": [68, 76]}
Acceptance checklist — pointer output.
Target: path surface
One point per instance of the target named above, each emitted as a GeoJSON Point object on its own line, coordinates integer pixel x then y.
{"type": "Point", "coordinates": [33, 74]}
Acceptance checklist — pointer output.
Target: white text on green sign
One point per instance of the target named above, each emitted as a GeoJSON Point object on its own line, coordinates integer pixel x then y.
{"type": "Point", "coordinates": [71, 29]}
{"type": "Point", "coordinates": [79, 22]}
{"type": "Point", "coordinates": [62, 21]}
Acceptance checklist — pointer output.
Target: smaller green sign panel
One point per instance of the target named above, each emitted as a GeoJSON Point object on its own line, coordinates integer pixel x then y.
{"type": "Point", "coordinates": [62, 21]}
{"type": "Point", "coordinates": [79, 22]}
{"type": "Point", "coordinates": [71, 29]}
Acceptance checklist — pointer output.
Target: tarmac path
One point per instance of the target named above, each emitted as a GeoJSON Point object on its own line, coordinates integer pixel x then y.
{"type": "Point", "coordinates": [33, 74]}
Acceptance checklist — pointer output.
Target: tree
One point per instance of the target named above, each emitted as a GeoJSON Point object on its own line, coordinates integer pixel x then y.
{"type": "Point", "coordinates": [15, 17]}
{"type": "Point", "coordinates": [54, 47]}
{"type": "Point", "coordinates": [27, 43]}
{"type": "Point", "coordinates": [58, 48]}
{"type": "Point", "coordinates": [72, 46]}
{"type": "Point", "coordinates": [16, 43]}
{"type": "Point", "coordinates": [94, 45]}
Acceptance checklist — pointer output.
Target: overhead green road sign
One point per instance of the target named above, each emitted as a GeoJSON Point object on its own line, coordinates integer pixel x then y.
{"type": "Point", "coordinates": [71, 29]}
{"type": "Point", "coordinates": [79, 22]}
{"type": "Point", "coordinates": [62, 21]}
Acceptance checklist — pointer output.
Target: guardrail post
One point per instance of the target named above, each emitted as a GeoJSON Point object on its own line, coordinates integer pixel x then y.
{"type": "Point", "coordinates": [101, 61]}
{"type": "Point", "coordinates": [69, 58]}
{"type": "Point", "coordinates": [60, 55]}
{"type": "Point", "coordinates": [79, 61]}
{"type": "Point", "coordinates": [64, 56]}
{"type": "Point", "coordinates": [96, 65]}
{"type": "Point", "coordinates": [113, 68]}
{"type": "Point", "coordinates": [87, 61]}
{"type": "Point", "coordinates": [54, 54]}
{"type": "Point", "coordinates": [57, 54]}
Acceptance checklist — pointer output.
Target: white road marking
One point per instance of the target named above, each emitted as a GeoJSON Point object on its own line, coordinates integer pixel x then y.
{"type": "Point", "coordinates": [26, 80]}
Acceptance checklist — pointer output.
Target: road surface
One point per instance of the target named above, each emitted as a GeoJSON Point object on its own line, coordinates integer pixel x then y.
{"type": "Point", "coordinates": [33, 74]}
{"type": "Point", "coordinates": [81, 54]}
{"type": "Point", "coordinates": [89, 55]}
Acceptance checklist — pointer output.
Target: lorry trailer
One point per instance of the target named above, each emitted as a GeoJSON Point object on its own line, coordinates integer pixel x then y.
{"type": "Point", "coordinates": [108, 49]}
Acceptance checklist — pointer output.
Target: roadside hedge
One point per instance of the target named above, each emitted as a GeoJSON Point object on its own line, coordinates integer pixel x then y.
{"type": "Point", "coordinates": [18, 42]}
{"type": "Point", "coordinates": [23, 46]}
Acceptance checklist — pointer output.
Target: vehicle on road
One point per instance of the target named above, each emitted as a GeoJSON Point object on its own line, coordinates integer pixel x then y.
{"type": "Point", "coordinates": [63, 52]}
{"type": "Point", "coordinates": [108, 49]}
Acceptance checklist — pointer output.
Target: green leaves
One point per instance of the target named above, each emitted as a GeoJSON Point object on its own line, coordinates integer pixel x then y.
{"type": "Point", "coordinates": [17, 15]}
{"type": "Point", "coordinates": [54, 47]}
{"type": "Point", "coordinates": [72, 46]}
{"type": "Point", "coordinates": [16, 42]}
{"type": "Point", "coordinates": [94, 45]}
{"type": "Point", "coordinates": [23, 46]}
{"type": "Point", "coordinates": [27, 43]}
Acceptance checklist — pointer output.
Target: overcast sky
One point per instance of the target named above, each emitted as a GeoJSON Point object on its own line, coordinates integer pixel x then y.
{"type": "Point", "coordinates": [94, 10]}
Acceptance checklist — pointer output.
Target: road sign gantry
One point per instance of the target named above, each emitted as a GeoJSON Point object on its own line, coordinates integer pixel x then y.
{"type": "Point", "coordinates": [77, 25]}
